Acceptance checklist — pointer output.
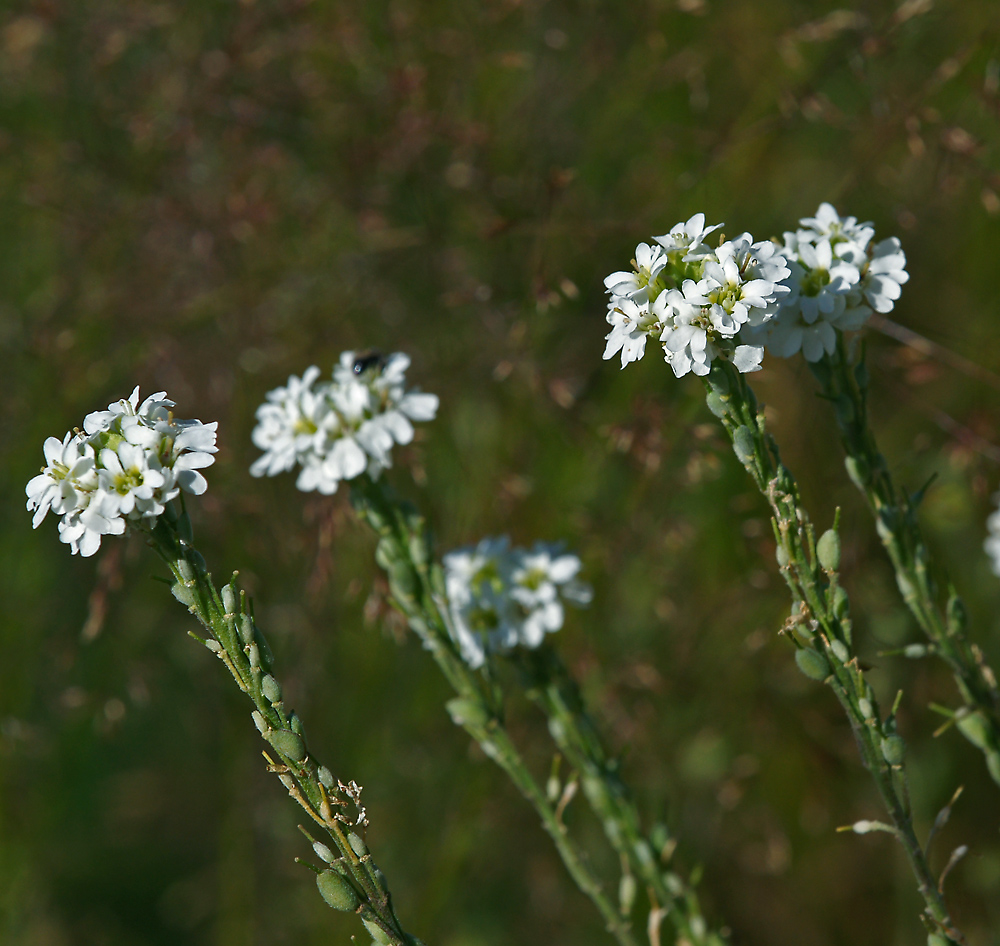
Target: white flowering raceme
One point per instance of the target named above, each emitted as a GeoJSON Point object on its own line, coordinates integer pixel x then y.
{"type": "Point", "coordinates": [125, 465]}
{"type": "Point", "coordinates": [695, 301]}
{"type": "Point", "coordinates": [838, 277]}
{"type": "Point", "coordinates": [992, 543]}
{"type": "Point", "coordinates": [501, 597]}
{"type": "Point", "coordinates": [338, 429]}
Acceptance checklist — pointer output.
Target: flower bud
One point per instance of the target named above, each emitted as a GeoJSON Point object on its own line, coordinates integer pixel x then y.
{"type": "Point", "coordinates": [271, 689]}
{"type": "Point", "coordinates": [812, 664]}
{"type": "Point", "coordinates": [893, 749]}
{"type": "Point", "coordinates": [336, 891]}
{"type": "Point", "coordinates": [357, 844]}
{"type": "Point", "coordinates": [286, 742]}
{"type": "Point", "coordinates": [828, 550]}
{"type": "Point", "coordinates": [743, 445]}
{"type": "Point", "coordinates": [229, 600]}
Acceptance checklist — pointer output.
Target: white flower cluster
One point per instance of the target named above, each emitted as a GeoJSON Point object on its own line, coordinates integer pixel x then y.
{"type": "Point", "coordinates": [838, 276]}
{"type": "Point", "coordinates": [125, 465]}
{"type": "Point", "coordinates": [992, 543]}
{"type": "Point", "coordinates": [336, 430]}
{"type": "Point", "coordinates": [701, 303]}
{"type": "Point", "coordinates": [500, 596]}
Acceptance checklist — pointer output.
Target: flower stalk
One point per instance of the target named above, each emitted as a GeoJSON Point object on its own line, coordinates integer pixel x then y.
{"type": "Point", "coordinates": [943, 619]}
{"type": "Point", "coordinates": [417, 586]}
{"type": "Point", "coordinates": [551, 687]}
{"type": "Point", "coordinates": [350, 879]}
{"type": "Point", "coordinates": [820, 627]}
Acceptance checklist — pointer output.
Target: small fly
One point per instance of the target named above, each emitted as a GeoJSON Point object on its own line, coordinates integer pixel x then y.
{"type": "Point", "coordinates": [366, 360]}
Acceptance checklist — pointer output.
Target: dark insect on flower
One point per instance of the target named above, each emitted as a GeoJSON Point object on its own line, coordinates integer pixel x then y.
{"type": "Point", "coordinates": [364, 360]}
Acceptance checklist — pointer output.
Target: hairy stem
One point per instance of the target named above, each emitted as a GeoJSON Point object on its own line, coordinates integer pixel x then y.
{"type": "Point", "coordinates": [236, 640]}
{"type": "Point", "coordinates": [417, 586]}
{"type": "Point", "coordinates": [941, 618]}
{"type": "Point", "coordinates": [821, 629]}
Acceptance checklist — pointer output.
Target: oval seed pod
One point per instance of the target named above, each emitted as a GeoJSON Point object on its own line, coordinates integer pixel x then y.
{"type": "Point", "coordinates": [295, 721]}
{"type": "Point", "coordinates": [270, 688]}
{"type": "Point", "coordinates": [386, 552]}
{"type": "Point", "coordinates": [812, 664]}
{"type": "Point", "coordinates": [858, 471]}
{"type": "Point", "coordinates": [828, 550]}
{"type": "Point", "coordinates": [325, 777]}
{"type": "Point", "coordinates": [183, 593]}
{"type": "Point", "coordinates": [718, 407]}
{"type": "Point", "coordinates": [893, 749]}
{"type": "Point", "coordinates": [246, 628]}
{"type": "Point", "coordinates": [184, 567]}
{"type": "Point", "coordinates": [357, 844]}
{"type": "Point", "coordinates": [841, 603]}
{"type": "Point", "coordinates": [626, 893]}
{"type": "Point", "coordinates": [377, 933]}
{"type": "Point", "coordinates": [403, 580]}
{"type": "Point", "coordinates": [323, 852]}
{"type": "Point", "coordinates": [229, 600]}
{"type": "Point", "coordinates": [465, 712]}
{"type": "Point", "coordinates": [743, 445]}
{"type": "Point", "coordinates": [840, 651]}
{"type": "Point", "coordinates": [197, 560]}
{"type": "Point", "coordinates": [975, 729]}
{"type": "Point", "coordinates": [336, 891]}
{"type": "Point", "coordinates": [287, 743]}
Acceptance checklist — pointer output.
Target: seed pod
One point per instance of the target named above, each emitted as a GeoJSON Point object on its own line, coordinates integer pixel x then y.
{"type": "Point", "coordinates": [626, 893]}
{"type": "Point", "coordinates": [840, 651]}
{"type": "Point", "coordinates": [246, 628]}
{"type": "Point", "coordinates": [958, 619]}
{"type": "Point", "coordinates": [380, 879]}
{"type": "Point", "coordinates": [259, 722]}
{"type": "Point", "coordinates": [323, 852]}
{"type": "Point", "coordinates": [271, 689]}
{"type": "Point", "coordinates": [465, 712]}
{"type": "Point", "coordinates": [289, 744]}
{"type": "Point", "coordinates": [866, 709]}
{"type": "Point", "coordinates": [743, 445]}
{"type": "Point", "coordinates": [386, 552]}
{"type": "Point", "coordinates": [915, 651]}
{"type": "Point", "coordinates": [717, 405]}
{"type": "Point", "coordinates": [893, 749]}
{"type": "Point", "coordinates": [403, 580]}
{"type": "Point", "coordinates": [357, 844]}
{"type": "Point", "coordinates": [858, 471]}
{"type": "Point", "coordinates": [781, 554]}
{"type": "Point", "coordinates": [229, 599]}
{"type": "Point", "coordinates": [378, 934]}
{"type": "Point", "coordinates": [295, 722]}
{"type": "Point", "coordinates": [841, 603]}
{"type": "Point", "coordinates": [336, 891]}
{"type": "Point", "coordinates": [184, 530]}
{"type": "Point", "coordinates": [974, 727]}
{"type": "Point", "coordinates": [184, 567]}
{"type": "Point", "coordinates": [419, 551]}
{"type": "Point", "coordinates": [643, 854]}
{"type": "Point", "coordinates": [828, 550]}
{"type": "Point", "coordinates": [325, 777]}
{"type": "Point", "coordinates": [197, 561]}
{"type": "Point", "coordinates": [266, 655]}
{"type": "Point", "coordinates": [183, 593]}
{"type": "Point", "coordinates": [812, 664]}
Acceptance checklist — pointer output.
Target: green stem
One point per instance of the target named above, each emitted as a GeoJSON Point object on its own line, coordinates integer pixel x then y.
{"type": "Point", "coordinates": [943, 621]}
{"type": "Point", "coordinates": [238, 642]}
{"type": "Point", "coordinates": [550, 685]}
{"type": "Point", "coordinates": [821, 631]}
{"type": "Point", "coordinates": [417, 586]}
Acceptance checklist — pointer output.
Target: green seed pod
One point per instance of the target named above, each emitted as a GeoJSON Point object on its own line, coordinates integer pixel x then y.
{"type": "Point", "coordinates": [357, 844]}
{"type": "Point", "coordinates": [386, 552]}
{"type": "Point", "coordinates": [866, 709]}
{"type": "Point", "coordinates": [246, 628]}
{"type": "Point", "coordinates": [993, 765]}
{"type": "Point", "coordinates": [380, 879]}
{"type": "Point", "coordinates": [719, 383]}
{"type": "Point", "coordinates": [419, 551]}
{"type": "Point", "coordinates": [844, 409]}
{"type": "Point", "coordinates": [323, 852]}
{"type": "Point", "coordinates": [936, 940]}
{"type": "Point", "coordinates": [812, 664]}
{"type": "Point", "coordinates": [828, 550]}
{"type": "Point", "coordinates": [183, 594]}
{"type": "Point", "coordinates": [295, 721]}
{"type": "Point", "coordinates": [229, 600]}
{"type": "Point", "coordinates": [325, 777]}
{"type": "Point", "coordinates": [743, 445]}
{"type": "Point", "coordinates": [841, 603]}
{"type": "Point", "coordinates": [271, 689]}
{"type": "Point", "coordinates": [336, 891]}
{"type": "Point", "coordinates": [893, 749]}
{"type": "Point", "coordinates": [266, 656]}
{"type": "Point", "coordinates": [975, 728]}
{"type": "Point", "coordinates": [626, 893]}
{"type": "Point", "coordinates": [378, 935]}
{"type": "Point", "coordinates": [717, 405]}
{"type": "Point", "coordinates": [403, 580]}
{"type": "Point", "coordinates": [465, 712]}
{"type": "Point", "coordinates": [259, 722]}
{"type": "Point", "coordinates": [197, 561]}
{"type": "Point", "coordinates": [184, 567]}
{"type": "Point", "coordinates": [958, 619]}
{"type": "Point", "coordinates": [289, 744]}
{"type": "Point", "coordinates": [840, 651]}
{"type": "Point", "coordinates": [643, 853]}
{"type": "Point", "coordinates": [858, 471]}
{"type": "Point", "coordinates": [915, 651]}
{"type": "Point", "coordinates": [781, 554]}
{"type": "Point", "coordinates": [659, 836]}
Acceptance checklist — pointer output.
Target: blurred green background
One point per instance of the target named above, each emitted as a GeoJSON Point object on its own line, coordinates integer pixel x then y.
{"type": "Point", "coordinates": [205, 197]}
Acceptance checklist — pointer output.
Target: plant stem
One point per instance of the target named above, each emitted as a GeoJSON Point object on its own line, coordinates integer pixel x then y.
{"type": "Point", "coordinates": [417, 586]}
{"type": "Point", "coordinates": [238, 642]}
{"type": "Point", "coordinates": [845, 384]}
{"type": "Point", "coordinates": [550, 685]}
{"type": "Point", "coordinates": [821, 630]}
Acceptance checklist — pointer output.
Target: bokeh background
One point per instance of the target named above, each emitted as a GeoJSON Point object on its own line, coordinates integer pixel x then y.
{"type": "Point", "coordinates": [206, 197]}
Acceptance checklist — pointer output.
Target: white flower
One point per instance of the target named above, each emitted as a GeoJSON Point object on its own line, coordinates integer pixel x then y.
{"type": "Point", "coordinates": [884, 275]}
{"type": "Point", "coordinates": [501, 597]}
{"type": "Point", "coordinates": [338, 429]}
{"type": "Point", "coordinates": [845, 234]}
{"type": "Point", "coordinates": [688, 239]}
{"type": "Point", "coordinates": [992, 543]}
{"type": "Point", "coordinates": [631, 324]}
{"type": "Point", "coordinates": [125, 466]}
{"type": "Point", "coordinates": [636, 285]}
